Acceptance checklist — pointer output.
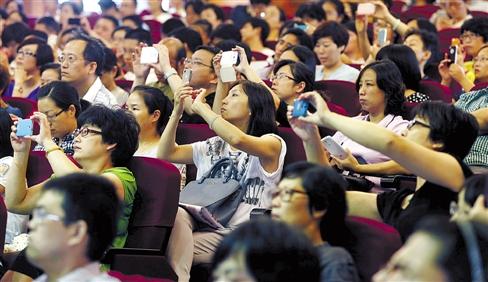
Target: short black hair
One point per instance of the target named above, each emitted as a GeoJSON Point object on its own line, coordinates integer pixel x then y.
{"type": "Point", "coordinates": [52, 66]}
{"type": "Point", "coordinates": [337, 33]}
{"type": "Point", "coordinates": [211, 49]}
{"type": "Point", "coordinates": [5, 129]}
{"type": "Point", "coordinates": [21, 14]}
{"type": "Point", "coordinates": [93, 199]}
{"type": "Point", "coordinates": [21, 7]}
{"type": "Point", "coordinates": [259, 23]}
{"type": "Point", "coordinates": [106, 5]}
{"type": "Point", "coordinates": [406, 61]}
{"type": "Point", "coordinates": [431, 43]}
{"type": "Point", "coordinates": [310, 10]}
{"type": "Point", "coordinates": [77, 9]}
{"type": "Point", "coordinates": [124, 28]}
{"type": "Point", "coordinates": [219, 13]}
{"type": "Point", "coordinates": [50, 24]}
{"type": "Point", "coordinates": [155, 100]}
{"type": "Point", "coordinates": [110, 59]}
{"type": "Point", "coordinates": [477, 26]}
{"type": "Point", "coordinates": [197, 6]}
{"type": "Point", "coordinates": [135, 19]}
{"type": "Point", "coordinates": [303, 38]}
{"type": "Point", "coordinates": [205, 24]}
{"type": "Point", "coordinates": [454, 128]}
{"type": "Point", "coordinates": [326, 191]}
{"type": "Point", "coordinates": [62, 94]}
{"type": "Point", "coordinates": [188, 36]}
{"type": "Point", "coordinates": [272, 251]}
{"type": "Point", "coordinates": [229, 44]}
{"type": "Point", "coordinates": [139, 34]}
{"type": "Point", "coordinates": [389, 80]}
{"type": "Point", "coordinates": [114, 20]}
{"type": "Point", "coordinates": [171, 24]}
{"type": "Point", "coordinates": [15, 32]}
{"type": "Point", "coordinates": [265, 2]}
{"type": "Point", "coordinates": [118, 127]}
{"type": "Point", "coordinates": [37, 34]}
{"type": "Point", "coordinates": [425, 24]}
{"type": "Point", "coordinates": [73, 30]}
{"type": "Point", "coordinates": [305, 55]}
{"type": "Point", "coordinates": [300, 72]}
{"type": "Point", "coordinates": [44, 53]}
{"type": "Point", "coordinates": [226, 31]}
{"type": "Point", "coordinates": [93, 51]}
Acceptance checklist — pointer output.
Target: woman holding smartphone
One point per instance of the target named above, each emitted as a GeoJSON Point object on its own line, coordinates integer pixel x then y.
{"type": "Point", "coordinates": [247, 133]}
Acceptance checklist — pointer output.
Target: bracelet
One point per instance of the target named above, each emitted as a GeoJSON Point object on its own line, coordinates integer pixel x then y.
{"type": "Point", "coordinates": [170, 73]}
{"type": "Point", "coordinates": [396, 24]}
{"type": "Point", "coordinates": [52, 150]}
{"type": "Point", "coordinates": [212, 122]}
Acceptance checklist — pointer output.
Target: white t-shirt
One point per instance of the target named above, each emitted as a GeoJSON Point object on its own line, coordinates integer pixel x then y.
{"type": "Point", "coordinates": [344, 72]}
{"type": "Point", "coordinates": [99, 94]}
{"type": "Point", "coordinates": [251, 175]}
{"type": "Point", "coordinates": [16, 223]}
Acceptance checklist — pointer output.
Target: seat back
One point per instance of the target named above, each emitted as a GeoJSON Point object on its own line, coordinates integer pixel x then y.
{"type": "Point", "coordinates": [3, 223]}
{"type": "Point", "coordinates": [38, 168]}
{"type": "Point", "coordinates": [479, 86]}
{"type": "Point", "coordinates": [26, 106]}
{"type": "Point", "coordinates": [295, 151]}
{"type": "Point", "coordinates": [156, 203]}
{"type": "Point", "coordinates": [155, 28]}
{"type": "Point", "coordinates": [258, 56]}
{"type": "Point", "coordinates": [190, 133]}
{"type": "Point", "coordinates": [414, 12]}
{"type": "Point", "coordinates": [375, 244]}
{"type": "Point", "coordinates": [341, 93]}
{"type": "Point", "coordinates": [445, 37]}
{"type": "Point", "coordinates": [436, 91]}
{"type": "Point", "coordinates": [124, 84]}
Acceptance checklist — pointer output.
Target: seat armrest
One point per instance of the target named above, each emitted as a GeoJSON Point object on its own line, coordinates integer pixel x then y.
{"type": "Point", "coordinates": [398, 181]}
{"type": "Point", "coordinates": [258, 213]}
{"type": "Point", "coordinates": [109, 255]}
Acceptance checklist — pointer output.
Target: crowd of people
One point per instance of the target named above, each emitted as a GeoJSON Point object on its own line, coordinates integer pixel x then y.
{"type": "Point", "coordinates": [98, 101]}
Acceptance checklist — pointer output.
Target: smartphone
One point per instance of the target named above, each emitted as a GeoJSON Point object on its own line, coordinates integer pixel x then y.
{"type": "Point", "coordinates": [453, 53]}
{"type": "Point", "coordinates": [334, 148]}
{"type": "Point", "coordinates": [149, 55]}
{"type": "Point", "coordinates": [301, 26]}
{"type": "Point", "coordinates": [186, 76]}
{"type": "Point", "coordinates": [365, 9]}
{"type": "Point", "coordinates": [382, 34]}
{"type": "Point", "coordinates": [300, 108]}
{"type": "Point", "coordinates": [74, 21]}
{"type": "Point", "coordinates": [229, 58]}
{"type": "Point", "coordinates": [24, 127]}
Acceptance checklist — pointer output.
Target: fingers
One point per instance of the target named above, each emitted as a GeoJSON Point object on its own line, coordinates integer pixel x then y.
{"type": "Point", "coordinates": [480, 202]}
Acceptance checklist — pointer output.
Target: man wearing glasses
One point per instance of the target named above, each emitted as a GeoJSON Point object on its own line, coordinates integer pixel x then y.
{"type": "Point", "coordinates": [73, 223]}
{"type": "Point", "coordinates": [312, 198]}
{"type": "Point", "coordinates": [81, 66]}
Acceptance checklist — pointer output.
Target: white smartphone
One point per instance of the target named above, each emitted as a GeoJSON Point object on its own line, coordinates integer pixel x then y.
{"type": "Point", "coordinates": [227, 72]}
{"type": "Point", "coordinates": [382, 34]}
{"type": "Point", "coordinates": [334, 148]}
{"type": "Point", "coordinates": [186, 77]}
{"type": "Point", "coordinates": [149, 55]}
{"type": "Point", "coordinates": [365, 9]}
{"type": "Point", "coordinates": [229, 58]}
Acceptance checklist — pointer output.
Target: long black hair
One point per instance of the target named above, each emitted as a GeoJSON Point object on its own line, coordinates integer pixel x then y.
{"type": "Point", "coordinates": [62, 94]}
{"type": "Point", "coordinates": [5, 129]}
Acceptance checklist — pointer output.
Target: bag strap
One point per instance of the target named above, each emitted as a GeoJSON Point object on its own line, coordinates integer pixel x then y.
{"type": "Point", "coordinates": [216, 168]}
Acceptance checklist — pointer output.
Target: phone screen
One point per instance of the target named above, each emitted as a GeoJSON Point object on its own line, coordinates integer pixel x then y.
{"type": "Point", "coordinates": [74, 21]}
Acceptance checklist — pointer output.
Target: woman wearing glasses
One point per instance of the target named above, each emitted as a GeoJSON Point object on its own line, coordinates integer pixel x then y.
{"type": "Point", "coordinates": [433, 148]}
{"type": "Point", "coordinates": [31, 55]}
{"type": "Point", "coordinates": [104, 144]}
{"type": "Point", "coordinates": [61, 105]}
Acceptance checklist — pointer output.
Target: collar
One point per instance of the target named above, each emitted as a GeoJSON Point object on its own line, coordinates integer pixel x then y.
{"type": "Point", "coordinates": [92, 92]}
{"type": "Point", "coordinates": [85, 273]}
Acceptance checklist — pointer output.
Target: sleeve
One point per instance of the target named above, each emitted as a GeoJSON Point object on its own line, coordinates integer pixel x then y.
{"type": "Point", "coordinates": [398, 125]}
{"type": "Point", "coordinates": [341, 269]}
{"type": "Point", "coordinates": [383, 202]}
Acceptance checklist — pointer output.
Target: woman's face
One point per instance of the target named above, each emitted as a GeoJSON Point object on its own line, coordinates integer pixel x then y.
{"type": "Point", "coordinates": [481, 65]}
{"type": "Point", "coordinates": [26, 57]}
{"type": "Point", "coordinates": [415, 43]}
{"type": "Point", "coordinates": [289, 55]}
{"type": "Point", "coordinates": [328, 52]}
{"type": "Point", "coordinates": [137, 107]}
{"type": "Point", "coordinates": [211, 17]}
{"type": "Point", "coordinates": [456, 9]}
{"type": "Point", "coordinates": [371, 97]}
{"type": "Point", "coordinates": [284, 86]}
{"type": "Point", "coordinates": [48, 76]}
{"type": "Point", "coordinates": [352, 45]}
{"type": "Point", "coordinates": [235, 107]}
{"type": "Point", "coordinates": [285, 42]}
{"type": "Point", "coordinates": [65, 13]}
{"type": "Point", "coordinates": [89, 146]}
{"type": "Point", "coordinates": [60, 121]}
{"type": "Point", "coordinates": [272, 16]}
{"type": "Point", "coordinates": [331, 13]}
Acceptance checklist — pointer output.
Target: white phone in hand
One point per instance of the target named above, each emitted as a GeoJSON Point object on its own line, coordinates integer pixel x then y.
{"type": "Point", "coordinates": [227, 72]}
{"type": "Point", "coordinates": [334, 148]}
{"type": "Point", "coordinates": [149, 55]}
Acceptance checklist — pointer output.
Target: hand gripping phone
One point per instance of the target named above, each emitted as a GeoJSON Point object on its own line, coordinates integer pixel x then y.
{"type": "Point", "coordinates": [300, 108]}
{"type": "Point", "coordinates": [334, 148]}
{"type": "Point", "coordinates": [227, 72]}
{"type": "Point", "coordinates": [24, 127]}
{"type": "Point", "coordinates": [149, 55]}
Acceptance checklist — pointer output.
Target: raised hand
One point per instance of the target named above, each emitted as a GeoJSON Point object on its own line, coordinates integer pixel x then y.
{"type": "Point", "coordinates": [199, 102]}
{"type": "Point", "coordinates": [164, 63]}
{"type": "Point", "coordinates": [320, 116]}
{"type": "Point", "coordinates": [302, 129]}
{"type": "Point", "coordinates": [243, 64]}
{"type": "Point", "coordinates": [140, 70]}
{"type": "Point", "coordinates": [44, 129]}
{"type": "Point", "coordinates": [216, 64]}
{"type": "Point", "coordinates": [19, 144]}
{"type": "Point", "coordinates": [349, 163]}
{"type": "Point", "coordinates": [181, 94]}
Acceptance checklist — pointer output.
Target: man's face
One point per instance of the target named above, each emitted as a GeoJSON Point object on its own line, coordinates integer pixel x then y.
{"type": "Point", "coordinates": [127, 8]}
{"type": "Point", "coordinates": [49, 236]}
{"type": "Point", "coordinates": [130, 46]}
{"type": "Point", "coordinates": [104, 28]}
{"type": "Point", "coordinates": [74, 68]}
{"type": "Point", "coordinates": [202, 70]}
{"type": "Point", "coordinates": [290, 203]}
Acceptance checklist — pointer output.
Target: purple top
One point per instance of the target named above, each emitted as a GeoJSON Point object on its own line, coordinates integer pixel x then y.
{"type": "Point", "coordinates": [10, 89]}
{"type": "Point", "coordinates": [394, 123]}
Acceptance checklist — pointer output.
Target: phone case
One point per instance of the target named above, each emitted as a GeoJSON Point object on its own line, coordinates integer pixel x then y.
{"type": "Point", "coordinates": [382, 34]}
{"type": "Point", "coordinates": [229, 58]}
{"type": "Point", "coordinates": [365, 9]}
{"type": "Point", "coordinates": [300, 108]}
{"type": "Point", "coordinates": [186, 76]}
{"type": "Point", "coordinates": [453, 54]}
{"type": "Point", "coordinates": [24, 128]}
{"type": "Point", "coordinates": [334, 149]}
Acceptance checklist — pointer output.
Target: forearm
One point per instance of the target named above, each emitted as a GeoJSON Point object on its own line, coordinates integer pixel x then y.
{"type": "Point", "coordinates": [167, 143]}
{"type": "Point", "coordinates": [314, 150]}
{"type": "Point", "coordinates": [254, 77]}
{"type": "Point", "coordinates": [465, 84]}
{"type": "Point", "coordinates": [60, 163]}
{"type": "Point", "coordinates": [138, 81]}
{"type": "Point", "coordinates": [220, 93]}
{"type": "Point", "coordinates": [227, 131]}
{"type": "Point", "coordinates": [16, 187]}
{"type": "Point", "coordinates": [400, 27]}
{"type": "Point", "coordinates": [364, 44]}
{"type": "Point", "coordinates": [387, 168]}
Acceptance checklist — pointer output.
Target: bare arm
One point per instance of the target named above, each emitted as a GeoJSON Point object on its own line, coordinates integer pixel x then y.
{"type": "Point", "coordinates": [222, 87]}
{"type": "Point", "coordinates": [363, 205]}
{"type": "Point", "coordinates": [309, 133]}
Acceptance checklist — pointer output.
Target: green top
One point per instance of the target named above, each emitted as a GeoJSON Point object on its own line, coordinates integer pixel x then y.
{"type": "Point", "coordinates": [129, 182]}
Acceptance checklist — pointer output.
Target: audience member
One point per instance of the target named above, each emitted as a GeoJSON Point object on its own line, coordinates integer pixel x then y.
{"type": "Point", "coordinates": [132, 21]}
{"type": "Point", "coordinates": [81, 66]}
{"type": "Point", "coordinates": [50, 72]}
{"type": "Point", "coordinates": [4, 82]}
{"type": "Point", "coordinates": [51, 27]}
{"type": "Point", "coordinates": [254, 32]}
{"type": "Point", "coordinates": [266, 251]}
{"type": "Point", "coordinates": [193, 10]}
{"type": "Point", "coordinates": [171, 24]}
{"type": "Point", "coordinates": [426, 47]}
{"type": "Point", "coordinates": [16, 17]}
{"type": "Point", "coordinates": [204, 28]}
{"type": "Point", "coordinates": [190, 38]}
{"type": "Point", "coordinates": [275, 17]}
{"type": "Point", "coordinates": [31, 55]}
{"type": "Point", "coordinates": [452, 14]}
{"type": "Point", "coordinates": [334, 11]}
{"type": "Point", "coordinates": [109, 8]}
{"type": "Point", "coordinates": [118, 36]}
{"type": "Point", "coordinates": [66, 35]}
{"type": "Point", "coordinates": [109, 72]}
{"type": "Point", "coordinates": [13, 6]}
{"type": "Point", "coordinates": [213, 14]}
{"type": "Point", "coordinates": [352, 54]}
{"type": "Point", "coordinates": [12, 36]}
{"type": "Point", "coordinates": [311, 14]}
{"type": "Point", "coordinates": [104, 27]}
{"type": "Point", "coordinates": [73, 224]}
{"type": "Point", "coordinates": [241, 13]}
{"type": "Point", "coordinates": [313, 199]}
{"type": "Point", "coordinates": [60, 103]}
{"type": "Point", "coordinates": [156, 12]}
{"type": "Point", "coordinates": [300, 53]}
{"type": "Point", "coordinates": [246, 132]}
{"type": "Point", "coordinates": [128, 8]}
{"type": "Point", "coordinates": [224, 32]}
{"type": "Point", "coordinates": [330, 40]}
{"type": "Point", "coordinates": [68, 10]}
{"type": "Point", "coordinates": [290, 38]}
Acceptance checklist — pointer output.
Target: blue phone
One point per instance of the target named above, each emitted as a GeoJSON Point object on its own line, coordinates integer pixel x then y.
{"type": "Point", "coordinates": [301, 26]}
{"type": "Point", "coordinates": [24, 127]}
{"type": "Point", "coordinates": [300, 108]}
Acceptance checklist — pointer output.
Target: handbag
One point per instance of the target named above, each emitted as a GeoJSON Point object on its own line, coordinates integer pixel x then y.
{"type": "Point", "coordinates": [214, 198]}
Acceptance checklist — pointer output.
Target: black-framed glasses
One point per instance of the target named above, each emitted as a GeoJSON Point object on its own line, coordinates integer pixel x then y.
{"type": "Point", "coordinates": [286, 194]}
{"type": "Point", "coordinates": [84, 131]}
{"type": "Point", "coordinates": [70, 58]}
{"type": "Point", "coordinates": [280, 76]}
{"type": "Point", "coordinates": [468, 35]}
{"type": "Point", "coordinates": [413, 122]}
{"type": "Point", "coordinates": [26, 53]}
{"type": "Point", "coordinates": [53, 117]}
{"type": "Point", "coordinates": [190, 62]}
